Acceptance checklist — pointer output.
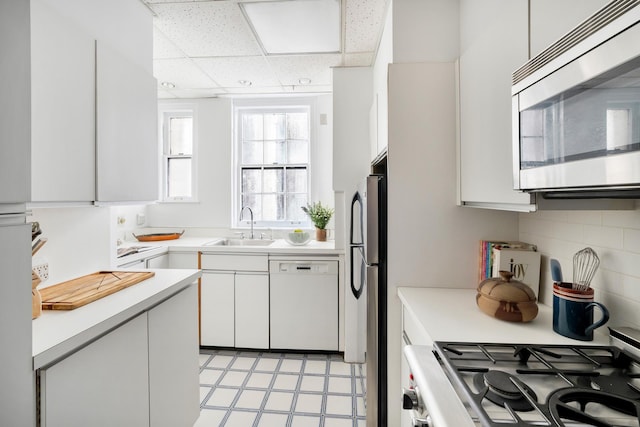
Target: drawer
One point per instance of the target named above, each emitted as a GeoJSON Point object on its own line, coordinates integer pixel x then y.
{"type": "Point", "coordinates": [230, 262]}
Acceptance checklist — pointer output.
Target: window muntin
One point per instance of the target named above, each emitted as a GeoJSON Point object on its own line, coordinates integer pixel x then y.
{"type": "Point", "coordinates": [273, 146]}
{"type": "Point", "coordinates": [178, 156]}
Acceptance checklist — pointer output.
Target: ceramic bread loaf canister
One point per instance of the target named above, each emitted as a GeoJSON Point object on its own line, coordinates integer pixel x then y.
{"type": "Point", "coordinates": [507, 299]}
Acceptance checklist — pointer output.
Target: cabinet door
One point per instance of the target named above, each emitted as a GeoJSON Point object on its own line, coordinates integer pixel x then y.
{"type": "Point", "coordinates": [62, 109]}
{"type": "Point", "coordinates": [104, 384]}
{"type": "Point", "coordinates": [551, 19]}
{"type": "Point", "coordinates": [160, 261]}
{"type": "Point", "coordinates": [252, 310]}
{"type": "Point", "coordinates": [494, 42]}
{"type": "Point", "coordinates": [127, 144]}
{"type": "Point", "coordinates": [183, 260]}
{"type": "Point", "coordinates": [217, 309]}
{"type": "Point", "coordinates": [15, 102]}
{"type": "Point", "coordinates": [173, 361]}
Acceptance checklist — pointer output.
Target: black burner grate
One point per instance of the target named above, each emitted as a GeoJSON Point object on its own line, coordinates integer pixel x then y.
{"type": "Point", "coordinates": [555, 385]}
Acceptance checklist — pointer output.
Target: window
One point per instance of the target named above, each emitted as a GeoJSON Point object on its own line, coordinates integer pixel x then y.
{"type": "Point", "coordinates": [178, 151]}
{"type": "Point", "coordinates": [272, 150]}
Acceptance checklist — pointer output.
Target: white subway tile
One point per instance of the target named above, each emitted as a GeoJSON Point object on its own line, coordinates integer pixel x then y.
{"type": "Point", "coordinates": [631, 238]}
{"type": "Point", "coordinates": [624, 219]}
{"type": "Point", "coordinates": [567, 231]}
{"type": "Point", "coordinates": [585, 217]}
{"type": "Point", "coordinates": [609, 237]}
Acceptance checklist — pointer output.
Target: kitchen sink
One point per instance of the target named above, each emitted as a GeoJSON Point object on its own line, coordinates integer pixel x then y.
{"type": "Point", "coordinates": [240, 242]}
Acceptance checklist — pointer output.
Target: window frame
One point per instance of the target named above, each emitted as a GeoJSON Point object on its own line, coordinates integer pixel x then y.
{"type": "Point", "coordinates": [166, 112]}
{"type": "Point", "coordinates": [241, 107]}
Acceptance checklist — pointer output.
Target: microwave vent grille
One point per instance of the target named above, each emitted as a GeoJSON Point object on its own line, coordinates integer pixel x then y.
{"type": "Point", "coordinates": [603, 17]}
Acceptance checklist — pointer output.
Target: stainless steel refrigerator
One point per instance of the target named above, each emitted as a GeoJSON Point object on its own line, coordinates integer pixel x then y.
{"type": "Point", "coordinates": [367, 241]}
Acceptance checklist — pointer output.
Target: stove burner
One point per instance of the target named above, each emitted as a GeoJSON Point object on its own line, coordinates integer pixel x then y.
{"type": "Point", "coordinates": [619, 384]}
{"type": "Point", "coordinates": [560, 409]}
{"type": "Point", "coordinates": [501, 390]}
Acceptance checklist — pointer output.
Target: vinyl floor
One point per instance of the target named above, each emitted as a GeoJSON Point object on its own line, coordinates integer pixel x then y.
{"type": "Point", "coordinates": [258, 389]}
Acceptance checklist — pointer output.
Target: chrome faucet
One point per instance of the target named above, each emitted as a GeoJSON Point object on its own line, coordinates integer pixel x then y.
{"type": "Point", "coordinates": [251, 217]}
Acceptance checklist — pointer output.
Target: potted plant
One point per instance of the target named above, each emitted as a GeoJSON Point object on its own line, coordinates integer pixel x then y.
{"type": "Point", "coordinates": [320, 216]}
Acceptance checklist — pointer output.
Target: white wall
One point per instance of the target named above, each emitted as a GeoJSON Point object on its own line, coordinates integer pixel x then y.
{"type": "Point", "coordinates": [79, 241]}
{"type": "Point", "coordinates": [214, 136]}
{"type": "Point", "coordinates": [614, 235]}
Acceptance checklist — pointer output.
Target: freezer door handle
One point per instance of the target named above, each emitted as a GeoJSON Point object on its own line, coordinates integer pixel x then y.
{"type": "Point", "coordinates": [357, 198]}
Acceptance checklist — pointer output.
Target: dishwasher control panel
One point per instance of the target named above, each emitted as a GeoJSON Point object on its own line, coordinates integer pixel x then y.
{"type": "Point", "coordinates": [317, 267]}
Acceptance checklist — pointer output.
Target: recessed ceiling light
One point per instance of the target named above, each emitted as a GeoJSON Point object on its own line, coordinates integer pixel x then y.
{"type": "Point", "coordinates": [304, 81]}
{"type": "Point", "coordinates": [167, 85]}
{"type": "Point", "coordinates": [245, 83]}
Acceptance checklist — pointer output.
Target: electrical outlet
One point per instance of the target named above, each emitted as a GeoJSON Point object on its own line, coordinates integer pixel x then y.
{"type": "Point", "coordinates": [141, 219]}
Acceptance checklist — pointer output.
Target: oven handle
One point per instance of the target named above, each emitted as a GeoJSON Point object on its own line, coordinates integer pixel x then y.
{"type": "Point", "coordinates": [405, 338]}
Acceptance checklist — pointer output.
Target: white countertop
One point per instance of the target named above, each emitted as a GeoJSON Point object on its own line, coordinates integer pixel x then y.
{"type": "Point", "coordinates": [57, 333]}
{"type": "Point", "coordinates": [452, 315]}
{"type": "Point", "coordinates": [194, 244]}
{"type": "Point", "coordinates": [444, 314]}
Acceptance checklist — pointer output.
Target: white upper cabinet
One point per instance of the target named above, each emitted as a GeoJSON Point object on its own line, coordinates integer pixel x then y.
{"type": "Point", "coordinates": [14, 104]}
{"type": "Point", "coordinates": [127, 144]}
{"type": "Point", "coordinates": [551, 19]}
{"type": "Point", "coordinates": [494, 42]}
{"type": "Point", "coordinates": [496, 38]}
{"type": "Point", "coordinates": [94, 111]}
{"type": "Point", "coordinates": [62, 108]}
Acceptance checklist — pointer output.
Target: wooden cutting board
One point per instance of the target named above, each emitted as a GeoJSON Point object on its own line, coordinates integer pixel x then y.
{"type": "Point", "coordinates": [83, 290]}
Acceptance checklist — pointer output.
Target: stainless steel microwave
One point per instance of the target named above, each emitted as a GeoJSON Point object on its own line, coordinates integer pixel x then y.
{"type": "Point", "coordinates": [576, 110]}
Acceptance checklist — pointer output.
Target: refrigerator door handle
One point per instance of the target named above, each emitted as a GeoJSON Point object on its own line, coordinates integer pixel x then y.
{"type": "Point", "coordinates": [357, 290]}
{"type": "Point", "coordinates": [356, 199]}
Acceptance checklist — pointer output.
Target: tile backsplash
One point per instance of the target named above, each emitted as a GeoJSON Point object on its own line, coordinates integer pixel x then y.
{"type": "Point", "coordinates": [614, 235]}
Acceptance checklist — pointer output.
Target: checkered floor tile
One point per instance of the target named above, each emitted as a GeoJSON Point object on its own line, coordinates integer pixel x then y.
{"type": "Point", "coordinates": [256, 389]}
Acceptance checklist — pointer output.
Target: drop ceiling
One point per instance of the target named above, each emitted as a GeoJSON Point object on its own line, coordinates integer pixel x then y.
{"type": "Point", "coordinates": [240, 47]}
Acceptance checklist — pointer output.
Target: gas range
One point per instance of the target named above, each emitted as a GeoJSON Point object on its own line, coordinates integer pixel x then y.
{"type": "Point", "coordinates": [497, 384]}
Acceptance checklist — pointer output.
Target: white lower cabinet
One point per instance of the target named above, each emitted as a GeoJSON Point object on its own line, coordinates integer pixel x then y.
{"type": "Point", "coordinates": [104, 384]}
{"type": "Point", "coordinates": [183, 260]}
{"type": "Point", "coordinates": [160, 261]}
{"type": "Point", "coordinates": [234, 300]}
{"type": "Point", "coordinates": [217, 302]}
{"type": "Point", "coordinates": [143, 373]}
{"type": "Point", "coordinates": [252, 310]}
{"type": "Point", "coordinates": [173, 361]}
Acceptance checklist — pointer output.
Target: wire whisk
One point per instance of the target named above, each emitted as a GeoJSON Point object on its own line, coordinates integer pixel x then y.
{"type": "Point", "coordinates": [585, 264]}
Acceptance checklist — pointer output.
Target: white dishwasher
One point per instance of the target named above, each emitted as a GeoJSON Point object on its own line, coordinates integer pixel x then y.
{"type": "Point", "coordinates": [304, 305]}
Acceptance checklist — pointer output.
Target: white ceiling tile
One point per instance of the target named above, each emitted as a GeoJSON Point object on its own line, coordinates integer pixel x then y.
{"type": "Point", "coordinates": [223, 49]}
{"type": "Point", "coordinates": [202, 29]}
{"type": "Point", "coordinates": [358, 59]}
{"type": "Point", "coordinates": [364, 20]}
{"type": "Point", "coordinates": [228, 71]}
{"type": "Point", "coordinates": [163, 47]}
{"type": "Point", "coordinates": [315, 67]}
{"type": "Point", "coordinates": [181, 72]}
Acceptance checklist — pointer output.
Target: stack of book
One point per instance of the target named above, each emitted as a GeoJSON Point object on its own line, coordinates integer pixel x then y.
{"type": "Point", "coordinates": [520, 258]}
